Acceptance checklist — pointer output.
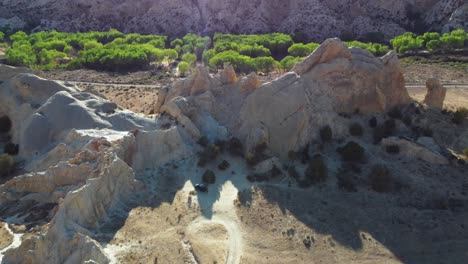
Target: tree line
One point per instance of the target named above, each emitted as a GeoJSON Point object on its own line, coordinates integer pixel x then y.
{"type": "Point", "coordinates": [117, 51]}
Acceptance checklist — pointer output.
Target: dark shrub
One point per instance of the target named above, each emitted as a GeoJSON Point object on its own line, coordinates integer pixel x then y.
{"type": "Point", "coordinates": [385, 130]}
{"type": "Point", "coordinates": [326, 133]}
{"type": "Point", "coordinates": [5, 124]}
{"type": "Point", "coordinates": [275, 172]}
{"type": "Point", "coordinates": [380, 178]}
{"type": "Point", "coordinates": [258, 155]}
{"type": "Point", "coordinates": [395, 113]}
{"type": "Point", "coordinates": [251, 178]}
{"type": "Point", "coordinates": [293, 173]}
{"type": "Point", "coordinates": [224, 165]}
{"type": "Point", "coordinates": [7, 164]}
{"type": "Point", "coordinates": [460, 115]}
{"type": "Point", "coordinates": [351, 152]}
{"type": "Point", "coordinates": [203, 141]}
{"type": "Point", "coordinates": [407, 121]}
{"type": "Point", "coordinates": [221, 144]}
{"type": "Point", "coordinates": [304, 183]}
{"type": "Point", "coordinates": [389, 126]}
{"type": "Point", "coordinates": [373, 122]}
{"type": "Point", "coordinates": [209, 177]}
{"type": "Point", "coordinates": [427, 132]}
{"type": "Point", "coordinates": [392, 149]}
{"type": "Point", "coordinates": [257, 177]}
{"type": "Point", "coordinates": [317, 170]}
{"type": "Point", "coordinates": [210, 153]}
{"type": "Point", "coordinates": [292, 155]}
{"type": "Point", "coordinates": [345, 181]}
{"type": "Point", "coordinates": [303, 154]}
{"type": "Point", "coordinates": [235, 147]}
{"type": "Point", "coordinates": [422, 131]}
{"type": "Point", "coordinates": [11, 149]}
{"type": "Point", "coordinates": [355, 129]}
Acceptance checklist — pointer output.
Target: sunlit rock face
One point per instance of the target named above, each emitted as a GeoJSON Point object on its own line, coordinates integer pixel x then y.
{"type": "Point", "coordinates": [316, 19]}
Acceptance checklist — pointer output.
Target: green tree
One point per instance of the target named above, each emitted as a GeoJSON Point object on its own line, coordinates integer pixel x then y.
{"type": "Point", "coordinates": [433, 44]}
{"type": "Point", "coordinates": [207, 55]}
{"type": "Point", "coordinates": [19, 36]}
{"type": "Point", "coordinates": [189, 58]}
{"type": "Point", "coordinates": [289, 61]}
{"type": "Point", "coordinates": [183, 68]}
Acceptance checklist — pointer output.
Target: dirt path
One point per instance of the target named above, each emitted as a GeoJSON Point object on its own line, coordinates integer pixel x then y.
{"type": "Point", "coordinates": [12, 240]}
{"type": "Point", "coordinates": [224, 213]}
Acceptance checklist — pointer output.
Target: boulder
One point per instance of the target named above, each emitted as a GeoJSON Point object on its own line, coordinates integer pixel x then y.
{"type": "Point", "coordinates": [429, 143]}
{"type": "Point", "coordinates": [8, 72]}
{"type": "Point", "coordinates": [267, 165]}
{"type": "Point", "coordinates": [197, 83]}
{"type": "Point", "coordinates": [249, 83]}
{"type": "Point", "coordinates": [228, 74]}
{"type": "Point", "coordinates": [162, 94]}
{"type": "Point", "coordinates": [435, 93]}
{"type": "Point", "coordinates": [173, 108]}
{"type": "Point", "coordinates": [6, 237]}
{"type": "Point", "coordinates": [156, 148]}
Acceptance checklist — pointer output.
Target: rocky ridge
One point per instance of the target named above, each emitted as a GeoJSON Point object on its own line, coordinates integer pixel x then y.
{"type": "Point", "coordinates": [315, 18]}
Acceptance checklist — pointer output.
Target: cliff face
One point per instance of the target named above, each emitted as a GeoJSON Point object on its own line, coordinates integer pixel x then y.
{"type": "Point", "coordinates": [318, 19]}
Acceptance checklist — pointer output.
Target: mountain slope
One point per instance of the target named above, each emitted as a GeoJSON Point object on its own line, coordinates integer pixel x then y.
{"type": "Point", "coordinates": [317, 19]}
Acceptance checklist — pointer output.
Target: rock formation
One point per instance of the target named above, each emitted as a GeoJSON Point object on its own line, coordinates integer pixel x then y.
{"type": "Point", "coordinates": [83, 154]}
{"type": "Point", "coordinates": [333, 79]}
{"type": "Point", "coordinates": [435, 93]}
{"type": "Point", "coordinates": [316, 19]}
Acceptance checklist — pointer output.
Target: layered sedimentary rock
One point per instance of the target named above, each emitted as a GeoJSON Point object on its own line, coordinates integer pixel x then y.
{"type": "Point", "coordinates": [82, 152]}
{"type": "Point", "coordinates": [316, 19]}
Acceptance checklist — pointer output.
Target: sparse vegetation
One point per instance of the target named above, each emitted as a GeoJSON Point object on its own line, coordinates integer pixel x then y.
{"type": "Point", "coordinates": [465, 151]}
{"type": "Point", "coordinates": [351, 152]}
{"type": "Point", "coordinates": [7, 164]}
{"type": "Point", "coordinates": [209, 177]}
{"type": "Point", "coordinates": [381, 179]}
